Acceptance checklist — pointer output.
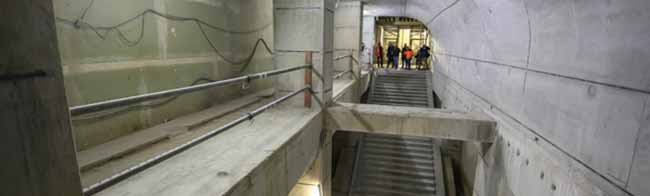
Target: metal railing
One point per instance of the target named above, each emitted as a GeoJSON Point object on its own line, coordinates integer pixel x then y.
{"type": "Point", "coordinates": [94, 107]}
{"type": "Point", "coordinates": [337, 76]}
{"type": "Point", "coordinates": [84, 109]}
{"type": "Point", "coordinates": [351, 65]}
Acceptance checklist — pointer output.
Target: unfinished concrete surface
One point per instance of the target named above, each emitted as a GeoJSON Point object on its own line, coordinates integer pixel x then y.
{"type": "Point", "coordinates": [572, 74]}
{"type": "Point", "coordinates": [158, 54]}
{"type": "Point", "coordinates": [411, 121]}
{"type": "Point", "coordinates": [230, 165]}
{"type": "Point", "coordinates": [347, 35]}
{"type": "Point", "coordinates": [566, 82]}
{"type": "Point", "coordinates": [305, 26]}
{"type": "Point", "coordinates": [36, 139]}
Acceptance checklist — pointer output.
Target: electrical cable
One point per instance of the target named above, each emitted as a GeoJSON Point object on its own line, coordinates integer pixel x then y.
{"type": "Point", "coordinates": [83, 14]}
{"type": "Point", "coordinates": [103, 31]}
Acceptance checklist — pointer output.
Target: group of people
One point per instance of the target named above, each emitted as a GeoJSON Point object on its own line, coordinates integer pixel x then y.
{"type": "Point", "coordinates": [393, 54]}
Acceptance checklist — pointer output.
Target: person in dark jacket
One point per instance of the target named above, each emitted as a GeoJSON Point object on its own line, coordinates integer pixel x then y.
{"type": "Point", "coordinates": [404, 56]}
{"type": "Point", "coordinates": [393, 55]}
{"type": "Point", "coordinates": [423, 55]}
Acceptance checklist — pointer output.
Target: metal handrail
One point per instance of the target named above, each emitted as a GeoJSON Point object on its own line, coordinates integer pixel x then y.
{"type": "Point", "coordinates": [337, 76]}
{"type": "Point", "coordinates": [103, 105]}
{"type": "Point", "coordinates": [95, 188]}
{"type": "Point", "coordinates": [346, 56]}
{"type": "Point", "coordinates": [341, 57]}
{"type": "Point", "coordinates": [351, 65]}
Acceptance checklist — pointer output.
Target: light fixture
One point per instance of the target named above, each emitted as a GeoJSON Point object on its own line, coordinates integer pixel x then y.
{"type": "Point", "coordinates": [310, 189]}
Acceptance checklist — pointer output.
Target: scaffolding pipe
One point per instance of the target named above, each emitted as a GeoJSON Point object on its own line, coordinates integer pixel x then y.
{"type": "Point", "coordinates": [99, 106]}
{"type": "Point", "coordinates": [95, 188]}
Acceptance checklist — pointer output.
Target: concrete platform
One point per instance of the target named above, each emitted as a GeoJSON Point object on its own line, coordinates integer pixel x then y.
{"type": "Point", "coordinates": [250, 159]}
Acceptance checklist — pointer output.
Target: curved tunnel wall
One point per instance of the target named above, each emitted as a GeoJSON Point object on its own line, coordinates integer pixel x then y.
{"type": "Point", "coordinates": [574, 73]}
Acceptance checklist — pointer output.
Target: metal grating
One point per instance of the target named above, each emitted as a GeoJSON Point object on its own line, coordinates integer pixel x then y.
{"type": "Point", "coordinates": [401, 88]}
{"type": "Point", "coordinates": [397, 165]}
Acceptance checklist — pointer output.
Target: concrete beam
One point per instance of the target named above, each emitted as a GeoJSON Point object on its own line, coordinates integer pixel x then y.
{"type": "Point", "coordinates": [411, 121]}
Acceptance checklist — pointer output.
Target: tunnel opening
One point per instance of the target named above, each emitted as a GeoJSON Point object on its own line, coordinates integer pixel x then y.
{"type": "Point", "coordinates": [402, 43]}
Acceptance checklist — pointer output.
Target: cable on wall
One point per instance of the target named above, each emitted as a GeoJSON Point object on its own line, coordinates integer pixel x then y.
{"type": "Point", "coordinates": [103, 31]}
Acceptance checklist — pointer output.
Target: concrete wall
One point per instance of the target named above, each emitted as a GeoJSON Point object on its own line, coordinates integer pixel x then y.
{"type": "Point", "coordinates": [171, 54]}
{"type": "Point", "coordinates": [305, 26]}
{"type": "Point", "coordinates": [347, 33]}
{"type": "Point", "coordinates": [368, 39]}
{"type": "Point", "coordinates": [572, 74]}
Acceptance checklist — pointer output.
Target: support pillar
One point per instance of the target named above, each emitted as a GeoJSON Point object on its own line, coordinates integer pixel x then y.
{"type": "Point", "coordinates": [304, 26]}
{"type": "Point", "coordinates": [300, 27]}
{"type": "Point", "coordinates": [36, 144]}
{"type": "Point", "coordinates": [347, 35]}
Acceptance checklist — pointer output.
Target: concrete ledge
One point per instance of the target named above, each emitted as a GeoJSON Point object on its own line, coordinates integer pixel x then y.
{"type": "Point", "coordinates": [103, 153]}
{"type": "Point", "coordinates": [411, 121]}
{"type": "Point", "coordinates": [265, 156]}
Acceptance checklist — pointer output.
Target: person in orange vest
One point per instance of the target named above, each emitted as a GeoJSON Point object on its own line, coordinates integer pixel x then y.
{"type": "Point", "coordinates": [408, 55]}
{"type": "Point", "coordinates": [379, 55]}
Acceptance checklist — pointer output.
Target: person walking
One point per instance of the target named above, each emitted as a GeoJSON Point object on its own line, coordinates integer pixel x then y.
{"type": "Point", "coordinates": [393, 55]}
{"type": "Point", "coordinates": [418, 59]}
{"type": "Point", "coordinates": [379, 55]}
{"type": "Point", "coordinates": [424, 54]}
{"type": "Point", "coordinates": [408, 55]}
{"type": "Point", "coordinates": [404, 56]}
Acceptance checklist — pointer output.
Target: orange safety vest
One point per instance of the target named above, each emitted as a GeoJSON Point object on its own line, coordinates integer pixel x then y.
{"type": "Point", "coordinates": [408, 54]}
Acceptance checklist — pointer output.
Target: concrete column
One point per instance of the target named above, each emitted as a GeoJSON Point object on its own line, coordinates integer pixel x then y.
{"type": "Point", "coordinates": [36, 144]}
{"type": "Point", "coordinates": [347, 34]}
{"type": "Point", "coordinates": [299, 26]}
{"type": "Point", "coordinates": [368, 37]}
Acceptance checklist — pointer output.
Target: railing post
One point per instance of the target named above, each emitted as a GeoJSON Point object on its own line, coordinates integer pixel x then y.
{"type": "Point", "coordinates": [308, 61]}
{"type": "Point", "coordinates": [351, 63]}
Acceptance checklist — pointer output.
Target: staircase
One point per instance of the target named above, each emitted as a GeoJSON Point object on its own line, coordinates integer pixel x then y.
{"type": "Point", "coordinates": [397, 165]}
{"type": "Point", "coordinates": [401, 88]}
